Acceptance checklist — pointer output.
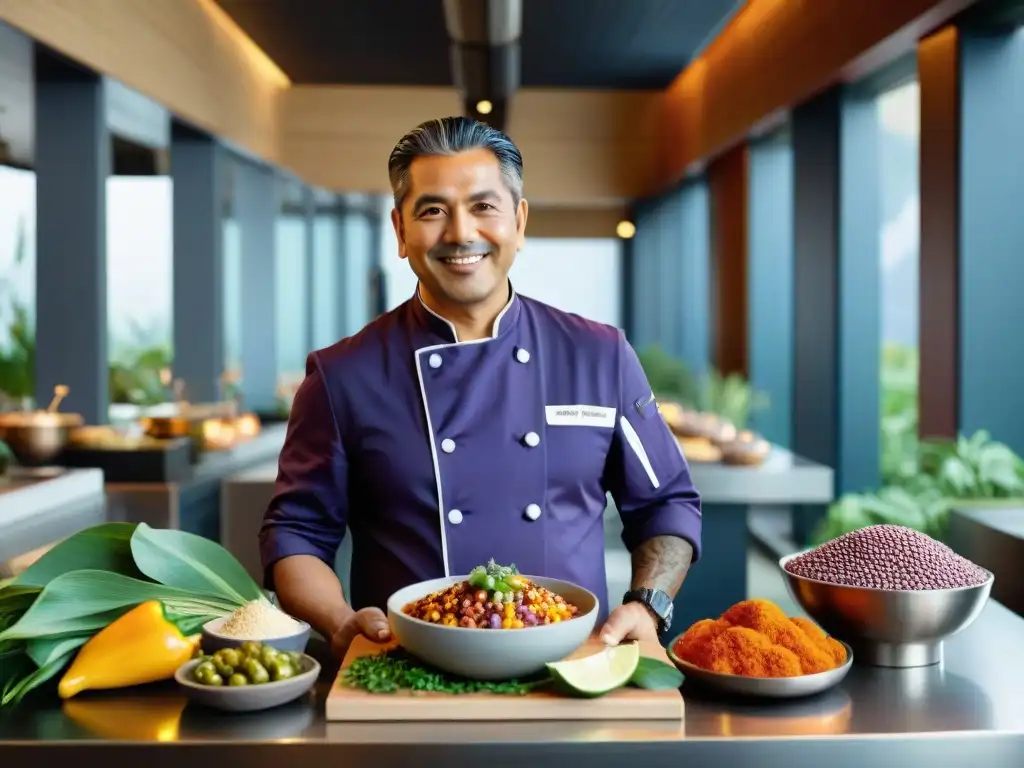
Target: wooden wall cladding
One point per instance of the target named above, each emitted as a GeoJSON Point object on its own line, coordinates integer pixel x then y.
{"type": "Point", "coordinates": [727, 183]}
{"type": "Point", "coordinates": [591, 149]}
{"type": "Point", "coordinates": [185, 54]}
{"type": "Point", "coordinates": [939, 365]}
{"type": "Point", "coordinates": [573, 223]}
{"type": "Point", "coordinates": [777, 53]}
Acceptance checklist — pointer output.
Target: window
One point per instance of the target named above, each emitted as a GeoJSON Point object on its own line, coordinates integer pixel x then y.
{"type": "Point", "coordinates": [358, 259]}
{"type": "Point", "coordinates": [326, 279]}
{"type": "Point", "coordinates": [292, 287]}
{"type": "Point", "coordinates": [140, 272]}
{"type": "Point", "coordinates": [17, 282]}
{"type": "Point", "coordinates": [898, 123]}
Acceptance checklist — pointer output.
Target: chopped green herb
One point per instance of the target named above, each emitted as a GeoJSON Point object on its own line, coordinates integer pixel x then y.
{"type": "Point", "coordinates": [396, 670]}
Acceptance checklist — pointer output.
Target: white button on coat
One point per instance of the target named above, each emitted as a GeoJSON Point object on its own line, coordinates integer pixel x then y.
{"type": "Point", "coordinates": [532, 439]}
{"type": "Point", "coordinates": [454, 516]}
{"type": "Point", "coordinates": [533, 511]}
{"type": "Point", "coordinates": [447, 445]}
{"type": "Point", "coordinates": [434, 360]}
{"type": "Point", "coordinates": [522, 356]}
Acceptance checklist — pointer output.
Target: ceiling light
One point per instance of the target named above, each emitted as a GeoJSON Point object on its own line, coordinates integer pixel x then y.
{"type": "Point", "coordinates": [484, 107]}
{"type": "Point", "coordinates": [625, 229]}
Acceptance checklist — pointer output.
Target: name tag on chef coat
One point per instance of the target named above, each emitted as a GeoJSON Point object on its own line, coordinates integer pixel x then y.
{"type": "Point", "coordinates": [580, 416]}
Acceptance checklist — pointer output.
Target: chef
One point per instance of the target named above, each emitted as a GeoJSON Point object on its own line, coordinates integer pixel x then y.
{"type": "Point", "coordinates": [472, 423]}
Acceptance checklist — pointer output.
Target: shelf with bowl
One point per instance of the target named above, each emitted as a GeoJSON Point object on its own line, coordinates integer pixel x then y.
{"type": "Point", "coordinates": [37, 438]}
{"type": "Point", "coordinates": [889, 628]}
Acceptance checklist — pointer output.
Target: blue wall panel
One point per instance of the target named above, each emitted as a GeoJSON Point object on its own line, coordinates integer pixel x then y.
{"type": "Point", "coordinates": [992, 236]}
{"type": "Point", "coordinates": [695, 277]}
{"type": "Point", "coordinates": [770, 284]}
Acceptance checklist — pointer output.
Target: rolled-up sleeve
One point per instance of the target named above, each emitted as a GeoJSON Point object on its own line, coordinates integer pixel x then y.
{"type": "Point", "coordinates": [309, 510]}
{"type": "Point", "coordinates": [646, 473]}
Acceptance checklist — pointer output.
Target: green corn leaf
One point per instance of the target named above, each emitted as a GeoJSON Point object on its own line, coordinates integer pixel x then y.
{"type": "Point", "coordinates": [192, 563]}
{"type": "Point", "coordinates": [84, 601]}
{"type": "Point", "coordinates": [105, 547]}
{"type": "Point", "coordinates": [45, 650]}
{"type": "Point", "coordinates": [16, 692]}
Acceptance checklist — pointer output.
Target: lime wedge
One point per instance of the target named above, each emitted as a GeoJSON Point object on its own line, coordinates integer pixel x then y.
{"type": "Point", "coordinates": [599, 673]}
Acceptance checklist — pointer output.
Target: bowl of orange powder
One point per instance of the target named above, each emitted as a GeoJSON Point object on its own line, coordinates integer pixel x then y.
{"type": "Point", "coordinates": [755, 649]}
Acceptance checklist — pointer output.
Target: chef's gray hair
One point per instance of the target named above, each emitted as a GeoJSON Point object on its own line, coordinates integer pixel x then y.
{"type": "Point", "coordinates": [449, 136]}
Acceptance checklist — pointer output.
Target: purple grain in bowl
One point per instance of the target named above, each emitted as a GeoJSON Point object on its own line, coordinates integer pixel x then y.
{"type": "Point", "coordinates": [889, 557]}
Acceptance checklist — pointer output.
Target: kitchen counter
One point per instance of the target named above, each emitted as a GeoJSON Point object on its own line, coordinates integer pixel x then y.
{"type": "Point", "coordinates": [36, 510]}
{"type": "Point", "coordinates": [193, 505]}
{"type": "Point", "coordinates": [992, 535]}
{"type": "Point", "coordinates": [966, 711]}
{"type": "Point", "coordinates": [784, 478]}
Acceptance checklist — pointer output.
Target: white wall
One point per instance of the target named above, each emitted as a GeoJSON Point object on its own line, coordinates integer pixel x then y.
{"type": "Point", "coordinates": [581, 276]}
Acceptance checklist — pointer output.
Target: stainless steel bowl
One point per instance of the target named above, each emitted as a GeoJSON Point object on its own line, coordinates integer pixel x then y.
{"type": "Point", "coordinates": [885, 627]}
{"type": "Point", "coordinates": [764, 687]}
{"type": "Point", "coordinates": [37, 437]}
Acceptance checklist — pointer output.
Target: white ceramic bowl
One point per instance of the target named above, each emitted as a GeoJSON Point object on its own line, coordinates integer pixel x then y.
{"type": "Point", "coordinates": [213, 641]}
{"type": "Point", "coordinates": [492, 654]}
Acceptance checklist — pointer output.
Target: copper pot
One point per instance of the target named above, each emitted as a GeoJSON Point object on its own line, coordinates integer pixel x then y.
{"type": "Point", "coordinates": [37, 437]}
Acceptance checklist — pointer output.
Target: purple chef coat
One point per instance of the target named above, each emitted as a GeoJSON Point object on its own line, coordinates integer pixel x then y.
{"type": "Point", "coordinates": [439, 454]}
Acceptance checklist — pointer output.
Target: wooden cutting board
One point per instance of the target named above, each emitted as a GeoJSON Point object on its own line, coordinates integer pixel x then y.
{"type": "Point", "coordinates": [350, 704]}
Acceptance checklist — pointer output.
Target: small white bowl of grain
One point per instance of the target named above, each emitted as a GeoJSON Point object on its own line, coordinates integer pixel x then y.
{"type": "Point", "coordinates": [260, 621]}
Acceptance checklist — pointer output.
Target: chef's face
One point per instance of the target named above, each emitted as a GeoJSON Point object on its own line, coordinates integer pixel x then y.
{"type": "Point", "coordinates": [460, 228]}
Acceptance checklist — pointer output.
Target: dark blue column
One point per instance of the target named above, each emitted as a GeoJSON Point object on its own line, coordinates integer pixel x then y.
{"type": "Point", "coordinates": [257, 208]}
{"type": "Point", "coordinates": [695, 276]}
{"type": "Point", "coordinates": [644, 269]}
{"type": "Point", "coordinates": [309, 207]}
{"type": "Point", "coordinates": [73, 161]}
{"type": "Point", "coordinates": [198, 173]}
{"type": "Point", "coordinates": [770, 283]}
{"type": "Point", "coordinates": [991, 364]}
{"type": "Point", "coordinates": [836, 296]}
{"type": "Point", "coordinates": [627, 280]}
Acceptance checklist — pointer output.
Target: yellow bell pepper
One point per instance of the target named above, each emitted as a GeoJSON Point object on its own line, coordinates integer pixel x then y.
{"type": "Point", "coordinates": [142, 646]}
{"type": "Point", "coordinates": [141, 718]}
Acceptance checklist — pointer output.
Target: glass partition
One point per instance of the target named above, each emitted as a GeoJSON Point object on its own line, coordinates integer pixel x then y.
{"type": "Point", "coordinates": [17, 284]}
{"type": "Point", "coordinates": [140, 271]}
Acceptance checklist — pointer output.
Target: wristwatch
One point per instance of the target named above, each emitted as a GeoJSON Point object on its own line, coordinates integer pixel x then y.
{"type": "Point", "coordinates": [656, 601]}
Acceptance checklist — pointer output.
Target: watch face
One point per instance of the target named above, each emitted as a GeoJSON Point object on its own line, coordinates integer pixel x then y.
{"type": "Point", "coordinates": [662, 604]}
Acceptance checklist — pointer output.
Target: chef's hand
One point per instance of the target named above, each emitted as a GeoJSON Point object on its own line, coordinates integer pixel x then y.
{"type": "Point", "coordinates": [369, 622]}
{"type": "Point", "coordinates": [631, 621]}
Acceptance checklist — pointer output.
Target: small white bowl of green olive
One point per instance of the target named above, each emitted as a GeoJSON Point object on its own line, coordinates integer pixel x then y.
{"type": "Point", "coordinates": [252, 677]}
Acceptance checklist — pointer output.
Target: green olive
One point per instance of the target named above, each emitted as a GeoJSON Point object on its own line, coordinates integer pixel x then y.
{"type": "Point", "coordinates": [255, 671]}
{"type": "Point", "coordinates": [268, 655]}
{"type": "Point", "coordinates": [224, 670]}
{"type": "Point", "coordinates": [296, 659]}
{"type": "Point", "coordinates": [252, 648]}
{"type": "Point", "coordinates": [238, 679]}
{"type": "Point", "coordinates": [214, 680]}
{"type": "Point", "coordinates": [205, 668]}
{"type": "Point", "coordinates": [229, 657]}
{"type": "Point", "coordinates": [281, 669]}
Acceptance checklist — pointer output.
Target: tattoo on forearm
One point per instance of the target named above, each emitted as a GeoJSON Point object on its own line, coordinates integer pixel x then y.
{"type": "Point", "coordinates": [661, 563]}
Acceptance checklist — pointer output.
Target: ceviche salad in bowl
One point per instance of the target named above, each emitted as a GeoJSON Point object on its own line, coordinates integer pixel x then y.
{"type": "Point", "coordinates": [494, 623]}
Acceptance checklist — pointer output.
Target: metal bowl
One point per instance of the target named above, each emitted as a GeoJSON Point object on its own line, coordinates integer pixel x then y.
{"type": "Point", "coordinates": [886, 627]}
{"type": "Point", "coordinates": [37, 437]}
{"type": "Point", "coordinates": [492, 654]}
{"type": "Point", "coordinates": [764, 687]}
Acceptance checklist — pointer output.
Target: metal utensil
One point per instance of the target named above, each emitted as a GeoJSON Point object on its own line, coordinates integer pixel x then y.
{"type": "Point", "coordinates": [885, 627]}
{"type": "Point", "coordinates": [59, 393]}
{"type": "Point", "coordinates": [764, 687]}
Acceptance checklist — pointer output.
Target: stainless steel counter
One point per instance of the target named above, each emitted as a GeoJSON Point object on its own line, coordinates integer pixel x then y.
{"type": "Point", "coordinates": [967, 711]}
{"type": "Point", "coordinates": [784, 478]}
